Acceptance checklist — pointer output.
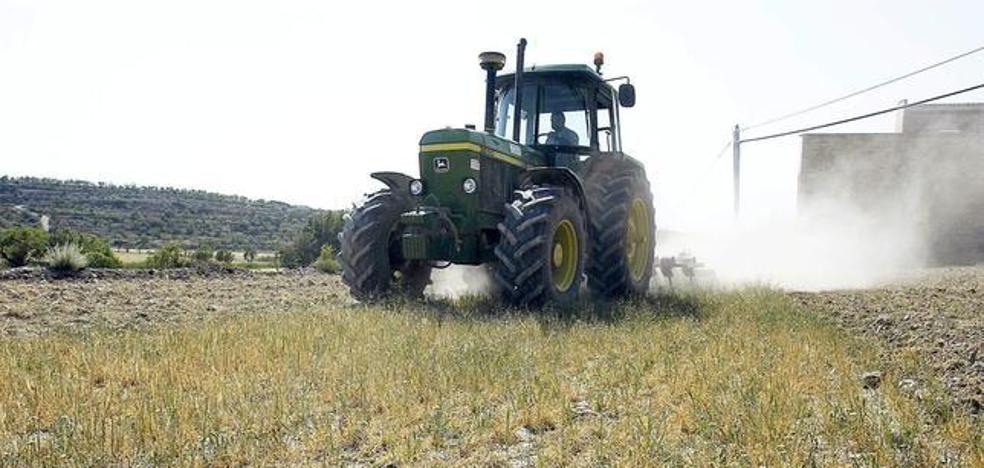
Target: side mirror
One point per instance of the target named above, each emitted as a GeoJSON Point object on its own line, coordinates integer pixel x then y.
{"type": "Point", "coordinates": [626, 95]}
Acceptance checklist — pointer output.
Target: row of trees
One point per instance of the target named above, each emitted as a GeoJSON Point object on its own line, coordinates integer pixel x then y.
{"type": "Point", "coordinates": [25, 245]}
{"type": "Point", "coordinates": [173, 256]}
{"type": "Point", "coordinates": [315, 244]}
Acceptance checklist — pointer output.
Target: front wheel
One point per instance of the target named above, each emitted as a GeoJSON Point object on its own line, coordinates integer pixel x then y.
{"type": "Point", "coordinates": [542, 249]}
{"type": "Point", "coordinates": [372, 262]}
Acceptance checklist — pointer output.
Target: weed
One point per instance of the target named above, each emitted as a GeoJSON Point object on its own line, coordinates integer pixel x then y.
{"type": "Point", "coordinates": [65, 258]}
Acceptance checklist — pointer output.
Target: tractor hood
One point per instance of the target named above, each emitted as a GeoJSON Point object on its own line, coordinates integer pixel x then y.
{"type": "Point", "coordinates": [450, 139]}
{"type": "Point", "coordinates": [466, 176]}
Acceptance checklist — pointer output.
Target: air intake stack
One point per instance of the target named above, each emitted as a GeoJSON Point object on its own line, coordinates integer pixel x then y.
{"type": "Point", "coordinates": [491, 62]}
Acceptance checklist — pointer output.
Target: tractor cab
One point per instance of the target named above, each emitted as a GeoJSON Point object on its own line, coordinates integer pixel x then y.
{"type": "Point", "coordinates": [568, 112]}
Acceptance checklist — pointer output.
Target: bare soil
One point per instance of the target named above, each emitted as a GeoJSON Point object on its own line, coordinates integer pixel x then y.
{"type": "Point", "coordinates": [34, 303]}
{"type": "Point", "coordinates": [936, 313]}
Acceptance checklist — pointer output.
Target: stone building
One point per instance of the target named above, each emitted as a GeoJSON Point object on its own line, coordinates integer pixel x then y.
{"type": "Point", "coordinates": [927, 177]}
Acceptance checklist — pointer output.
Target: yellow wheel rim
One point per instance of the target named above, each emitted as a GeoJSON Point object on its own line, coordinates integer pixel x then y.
{"type": "Point", "coordinates": [637, 239]}
{"type": "Point", "coordinates": [563, 255]}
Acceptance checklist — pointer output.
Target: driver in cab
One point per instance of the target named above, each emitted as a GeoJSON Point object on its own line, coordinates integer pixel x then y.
{"type": "Point", "coordinates": [561, 135]}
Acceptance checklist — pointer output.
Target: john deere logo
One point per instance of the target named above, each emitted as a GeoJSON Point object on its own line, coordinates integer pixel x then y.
{"type": "Point", "coordinates": [441, 165]}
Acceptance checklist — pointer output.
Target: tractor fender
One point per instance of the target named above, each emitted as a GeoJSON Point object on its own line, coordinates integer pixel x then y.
{"type": "Point", "coordinates": [609, 163]}
{"type": "Point", "coordinates": [398, 183]}
{"type": "Point", "coordinates": [561, 176]}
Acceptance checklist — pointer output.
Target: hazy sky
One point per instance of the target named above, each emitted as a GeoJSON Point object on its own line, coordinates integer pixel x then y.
{"type": "Point", "coordinates": [299, 101]}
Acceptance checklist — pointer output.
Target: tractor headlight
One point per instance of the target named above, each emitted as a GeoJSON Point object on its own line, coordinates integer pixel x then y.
{"type": "Point", "coordinates": [416, 187]}
{"type": "Point", "coordinates": [469, 185]}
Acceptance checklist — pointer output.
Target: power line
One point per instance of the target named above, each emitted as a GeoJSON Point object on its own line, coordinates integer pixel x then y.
{"type": "Point", "coordinates": [864, 116]}
{"type": "Point", "coordinates": [725, 148]}
{"type": "Point", "coordinates": [862, 91]}
{"type": "Point", "coordinates": [706, 170]}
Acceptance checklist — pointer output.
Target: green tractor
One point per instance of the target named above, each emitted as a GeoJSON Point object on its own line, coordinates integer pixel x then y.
{"type": "Point", "coordinates": [544, 197]}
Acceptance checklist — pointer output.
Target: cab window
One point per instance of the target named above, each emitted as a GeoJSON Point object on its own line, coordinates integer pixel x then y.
{"type": "Point", "coordinates": [606, 129]}
{"type": "Point", "coordinates": [506, 114]}
{"type": "Point", "coordinates": [563, 117]}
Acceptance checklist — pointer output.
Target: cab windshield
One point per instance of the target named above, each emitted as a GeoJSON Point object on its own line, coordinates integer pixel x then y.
{"type": "Point", "coordinates": [553, 114]}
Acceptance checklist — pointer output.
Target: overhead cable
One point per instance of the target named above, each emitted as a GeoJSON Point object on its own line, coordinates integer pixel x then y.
{"type": "Point", "coordinates": [864, 116]}
{"type": "Point", "coordinates": [862, 91]}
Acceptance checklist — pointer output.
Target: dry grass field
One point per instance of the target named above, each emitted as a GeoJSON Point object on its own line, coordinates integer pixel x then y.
{"type": "Point", "coordinates": [133, 257]}
{"type": "Point", "coordinates": [746, 378]}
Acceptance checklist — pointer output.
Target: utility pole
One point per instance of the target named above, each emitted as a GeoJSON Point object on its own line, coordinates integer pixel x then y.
{"type": "Point", "coordinates": [736, 152]}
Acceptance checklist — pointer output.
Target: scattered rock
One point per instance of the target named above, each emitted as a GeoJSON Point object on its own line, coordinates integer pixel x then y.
{"type": "Point", "coordinates": [973, 404]}
{"type": "Point", "coordinates": [42, 274]}
{"type": "Point", "coordinates": [524, 433]}
{"type": "Point", "coordinates": [36, 306]}
{"type": "Point", "coordinates": [871, 380]}
{"type": "Point", "coordinates": [583, 409]}
{"type": "Point", "coordinates": [935, 313]}
{"type": "Point", "coordinates": [907, 385]}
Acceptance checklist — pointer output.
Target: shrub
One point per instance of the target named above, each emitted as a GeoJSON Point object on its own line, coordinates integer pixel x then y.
{"type": "Point", "coordinates": [327, 262]}
{"type": "Point", "coordinates": [203, 254]}
{"type": "Point", "coordinates": [20, 244]}
{"type": "Point", "coordinates": [66, 258]}
{"type": "Point", "coordinates": [168, 256]}
{"type": "Point", "coordinates": [320, 230]}
{"type": "Point", "coordinates": [223, 256]}
{"type": "Point", "coordinates": [103, 260]}
{"type": "Point", "coordinates": [249, 255]}
{"type": "Point", "coordinates": [95, 248]}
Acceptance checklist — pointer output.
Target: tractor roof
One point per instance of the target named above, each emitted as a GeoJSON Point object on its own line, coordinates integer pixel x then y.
{"type": "Point", "coordinates": [563, 71]}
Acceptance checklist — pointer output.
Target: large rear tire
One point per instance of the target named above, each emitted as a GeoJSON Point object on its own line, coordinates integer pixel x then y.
{"type": "Point", "coordinates": [372, 263]}
{"type": "Point", "coordinates": [623, 233]}
{"type": "Point", "coordinates": [542, 252]}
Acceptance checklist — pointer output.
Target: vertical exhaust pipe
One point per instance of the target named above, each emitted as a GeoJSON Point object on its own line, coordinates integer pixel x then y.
{"type": "Point", "coordinates": [491, 62]}
{"type": "Point", "coordinates": [517, 108]}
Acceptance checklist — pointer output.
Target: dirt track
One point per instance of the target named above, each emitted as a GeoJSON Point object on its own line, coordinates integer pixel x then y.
{"type": "Point", "coordinates": [938, 313]}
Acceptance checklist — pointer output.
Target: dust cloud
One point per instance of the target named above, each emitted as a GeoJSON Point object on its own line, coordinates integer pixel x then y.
{"type": "Point", "coordinates": [872, 208]}
{"type": "Point", "coordinates": [854, 252]}
{"type": "Point", "coordinates": [458, 281]}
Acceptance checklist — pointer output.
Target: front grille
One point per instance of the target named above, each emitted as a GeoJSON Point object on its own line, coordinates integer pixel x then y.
{"type": "Point", "coordinates": [414, 247]}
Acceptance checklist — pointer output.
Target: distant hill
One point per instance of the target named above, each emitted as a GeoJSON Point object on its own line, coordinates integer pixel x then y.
{"type": "Point", "coordinates": [147, 217]}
